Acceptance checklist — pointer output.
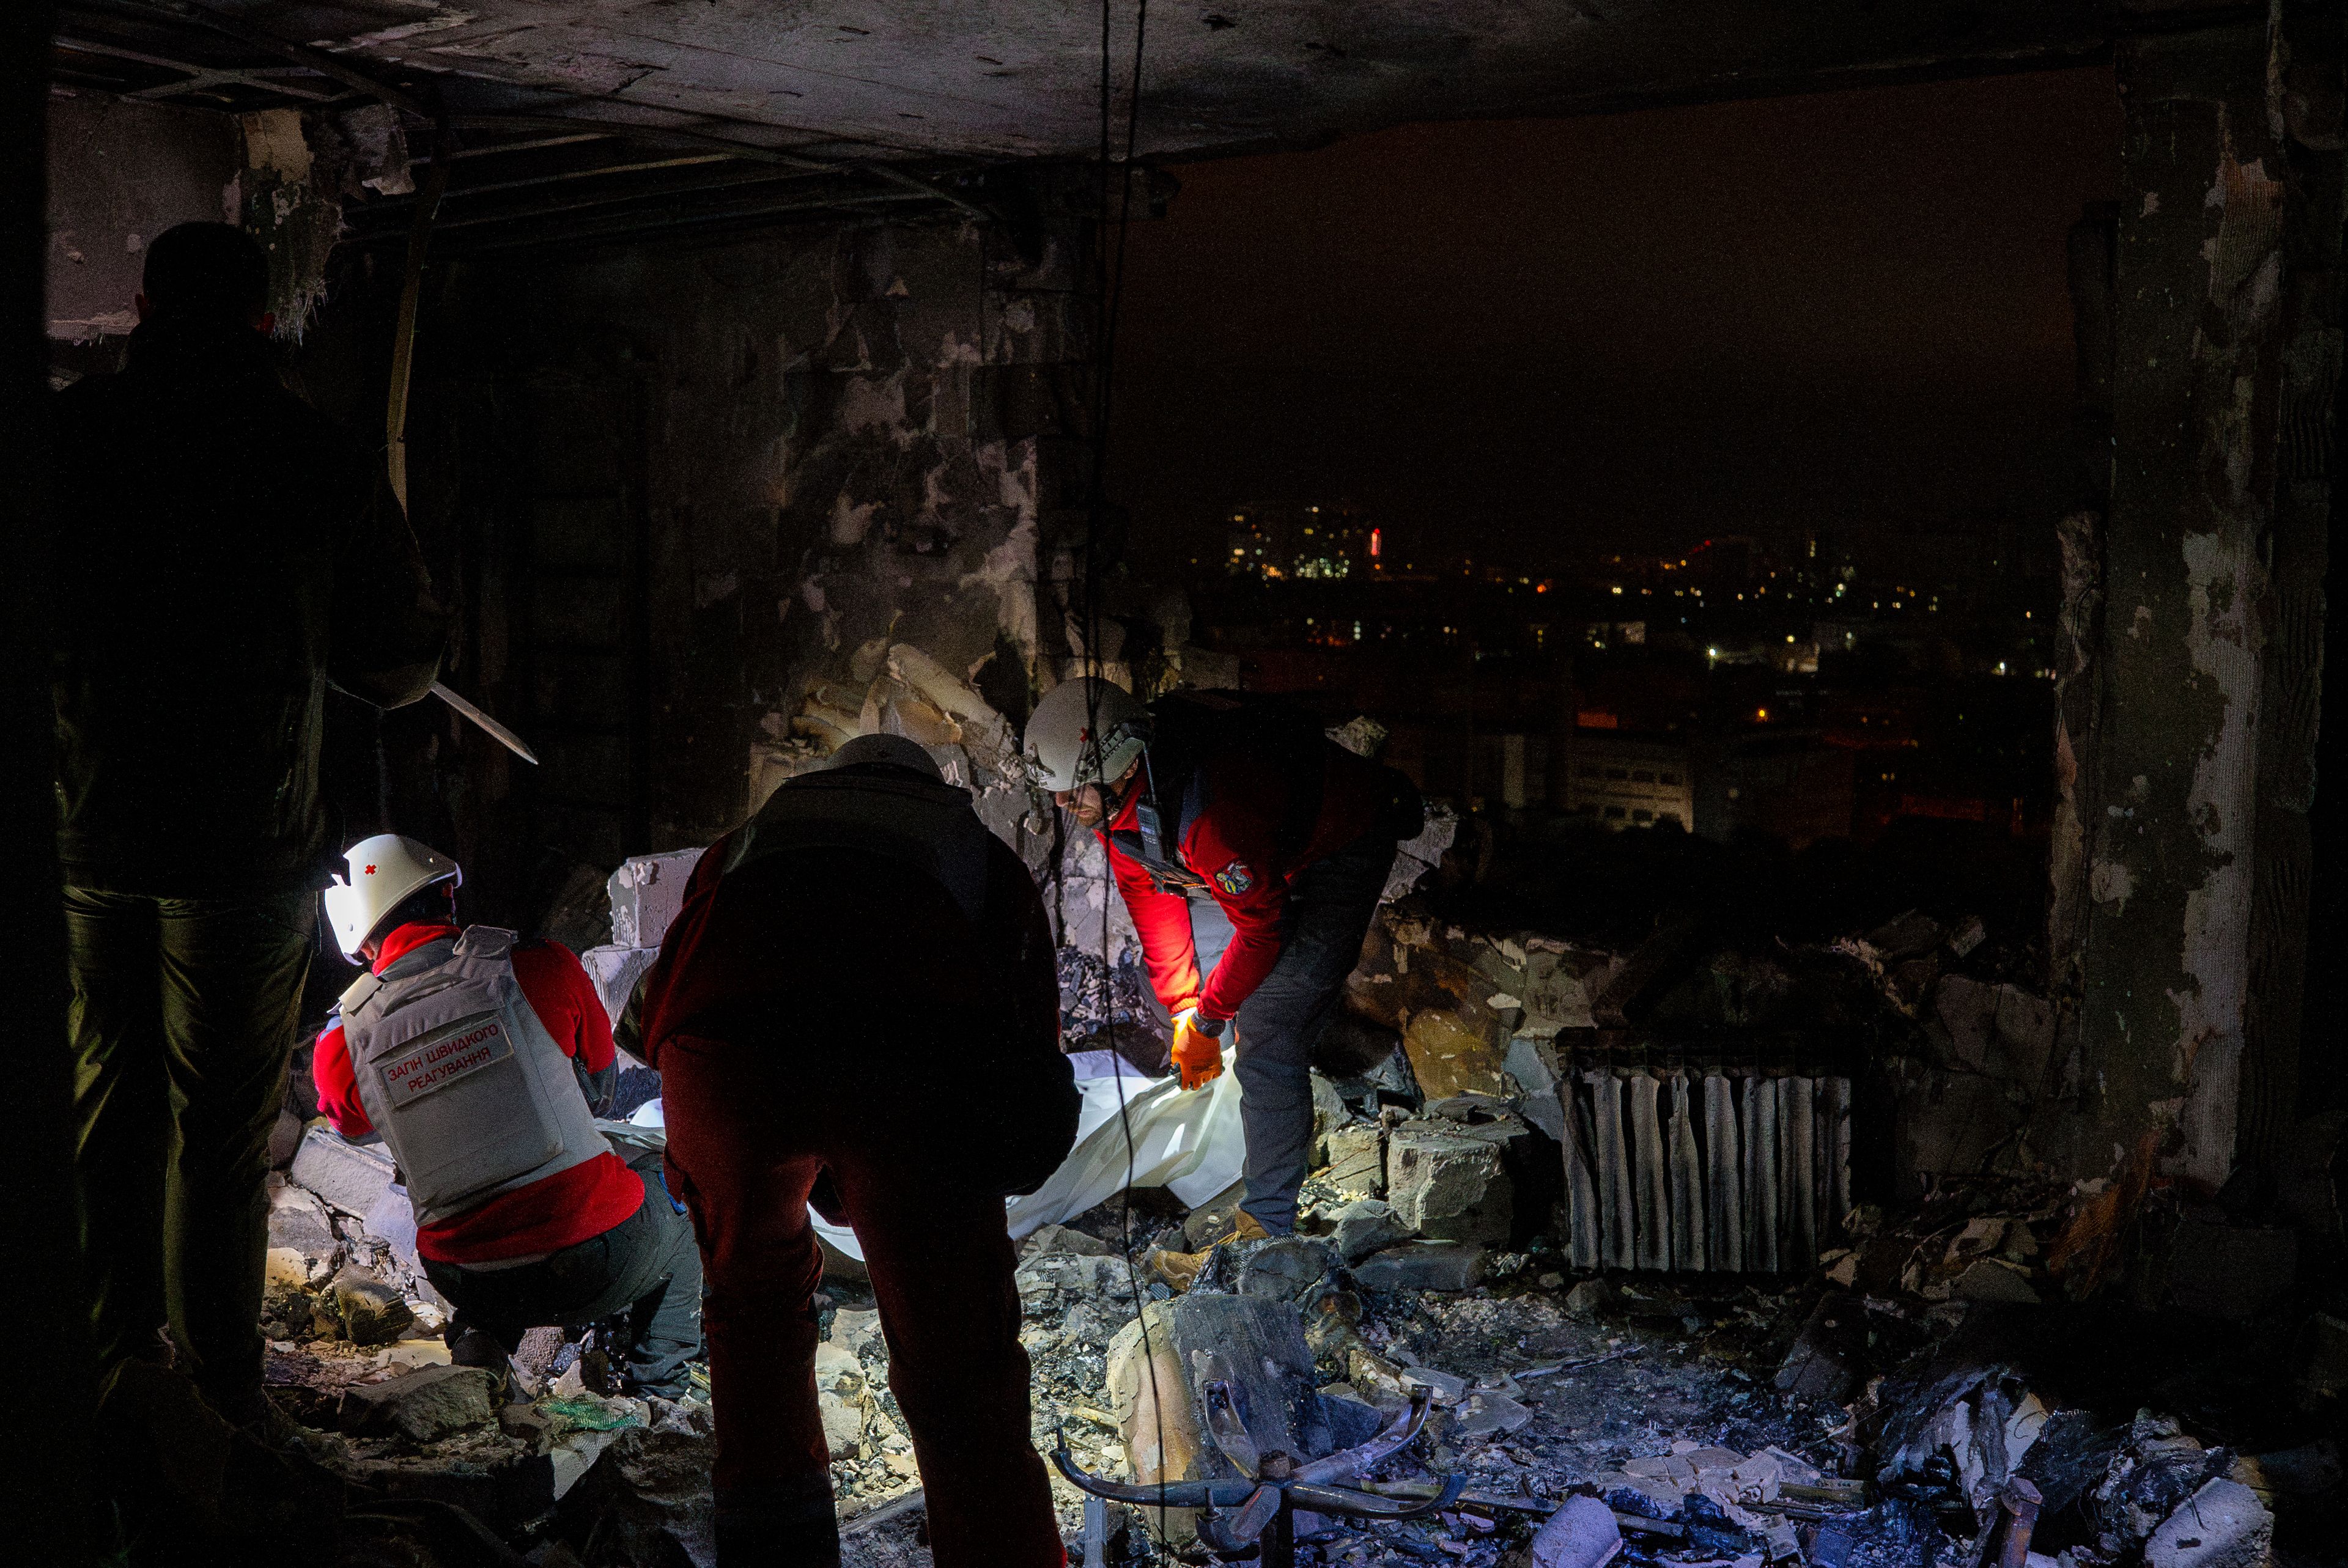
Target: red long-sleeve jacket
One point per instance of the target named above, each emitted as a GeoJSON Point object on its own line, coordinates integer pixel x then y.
{"type": "Point", "coordinates": [1233, 845]}
{"type": "Point", "coordinates": [559, 1211]}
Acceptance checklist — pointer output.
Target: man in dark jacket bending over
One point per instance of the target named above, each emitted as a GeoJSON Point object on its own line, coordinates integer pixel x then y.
{"type": "Point", "coordinates": [222, 551]}
{"type": "Point", "coordinates": [859, 986]}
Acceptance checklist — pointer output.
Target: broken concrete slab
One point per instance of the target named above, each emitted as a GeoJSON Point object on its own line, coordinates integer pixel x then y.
{"type": "Point", "coordinates": [646, 892]}
{"type": "Point", "coordinates": [1451, 1054]}
{"type": "Point", "coordinates": [1365, 1226]}
{"type": "Point", "coordinates": [1582, 1533]}
{"type": "Point", "coordinates": [839, 1391]}
{"type": "Point", "coordinates": [422, 1406]}
{"type": "Point", "coordinates": [1060, 1238]}
{"type": "Point", "coordinates": [1357, 1158]}
{"type": "Point", "coordinates": [2223, 1525]}
{"type": "Point", "coordinates": [1423, 1265]}
{"type": "Point", "coordinates": [352, 1177]}
{"type": "Point", "coordinates": [1487, 1415]}
{"type": "Point", "coordinates": [1447, 1183]}
{"type": "Point", "coordinates": [1829, 1356]}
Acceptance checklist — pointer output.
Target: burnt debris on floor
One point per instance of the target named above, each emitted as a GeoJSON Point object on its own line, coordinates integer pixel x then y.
{"type": "Point", "coordinates": [1596, 1207]}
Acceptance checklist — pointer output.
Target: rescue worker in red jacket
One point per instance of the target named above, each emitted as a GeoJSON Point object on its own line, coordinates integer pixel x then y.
{"type": "Point", "coordinates": [1251, 851]}
{"type": "Point", "coordinates": [483, 1061]}
{"type": "Point", "coordinates": [860, 987]}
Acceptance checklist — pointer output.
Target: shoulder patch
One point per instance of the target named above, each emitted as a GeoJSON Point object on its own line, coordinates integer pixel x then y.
{"type": "Point", "coordinates": [1235, 879]}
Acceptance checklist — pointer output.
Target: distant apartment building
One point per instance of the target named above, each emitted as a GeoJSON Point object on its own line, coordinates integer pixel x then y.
{"type": "Point", "coordinates": [1624, 784]}
{"type": "Point", "coordinates": [1299, 539]}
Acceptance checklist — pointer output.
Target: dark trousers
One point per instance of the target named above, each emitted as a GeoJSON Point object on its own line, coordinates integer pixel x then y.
{"type": "Point", "coordinates": [647, 1266]}
{"type": "Point", "coordinates": [183, 1016]}
{"type": "Point", "coordinates": [750, 1127]}
{"type": "Point", "coordinates": [1330, 907]}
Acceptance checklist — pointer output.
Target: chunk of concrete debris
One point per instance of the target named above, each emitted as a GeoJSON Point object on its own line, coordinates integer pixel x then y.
{"type": "Point", "coordinates": [1287, 1269]}
{"type": "Point", "coordinates": [646, 892]}
{"type": "Point", "coordinates": [1423, 1265]}
{"type": "Point", "coordinates": [1591, 1297]}
{"type": "Point", "coordinates": [1357, 1158]}
{"type": "Point", "coordinates": [1452, 1050]}
{"type": "Point", "coordinates": [852, 1330]}
{"type": "Point", "coordinates": [839, 1398]}
{"type": "Point", "coordinates": [352, 1177]}
{"type": "Point", "coordinates": [1447, 1388]}
{"type": "Point", "coordinates": [1365, 1226]}
{"type": "Point", "coordinates": [1488, 1415]}
{"type": "Point", "coordinates": [1991, 1281]}
{"type": "Point", "coordinates": [373, 1313]}
{"type": "Point", "coordinates": [1447, 1183]}
{"type": "Point", "coordinates": [299, 1225]}
{"type": "Point", "coordinates": [1060, 1238]}
{"type": "Point", "coordinates": [1531, 1064]}
{"type": "Point", "coordinates": [1582, 1533]}
{"type": "Point", "coordinates": [2223, 1525]}
{"type": "Point", "coordinates": [422, 1406]}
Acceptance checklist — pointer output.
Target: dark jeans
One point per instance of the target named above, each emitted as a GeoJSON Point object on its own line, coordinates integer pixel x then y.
{"type": "Point", "coordinates": [1330, 907]}
{"type": "Point", "coordinates": [647, 1266]}
{"type": "Point", "coordinates": [750, 1127]}
{"type": "Point", "coordinates": [183, 1016]}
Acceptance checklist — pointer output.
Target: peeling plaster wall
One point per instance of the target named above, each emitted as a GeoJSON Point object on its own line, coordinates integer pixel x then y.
{"type": "Point", "coordinates": [2177, 788]}
{"type": "Point", "coordinates": [121, 172]}
{"type": "Point", "coordinates": [682, 486]}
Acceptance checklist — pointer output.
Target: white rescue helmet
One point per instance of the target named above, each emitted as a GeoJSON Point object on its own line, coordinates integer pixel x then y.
{"type": "Point", "coordinates": [1087, 730]}
{"type": "Point", "coordinates": [385, 870]}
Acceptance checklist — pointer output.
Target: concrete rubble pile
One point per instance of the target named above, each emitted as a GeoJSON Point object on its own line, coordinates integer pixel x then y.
{"type": "Point", "coordinates": [1838, 1410]}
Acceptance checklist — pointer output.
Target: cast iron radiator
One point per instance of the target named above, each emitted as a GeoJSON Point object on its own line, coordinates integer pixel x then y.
{"type": "Point", "coordinates": [1703, 1168]}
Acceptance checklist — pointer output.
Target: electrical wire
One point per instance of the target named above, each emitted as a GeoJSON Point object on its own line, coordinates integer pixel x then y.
{"type": "Point", "coordinates": [1109, 296]}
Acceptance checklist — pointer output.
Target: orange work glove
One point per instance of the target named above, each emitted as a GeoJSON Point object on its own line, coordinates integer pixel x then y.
{"type": "Point", "coordinates": [1197, 1055]}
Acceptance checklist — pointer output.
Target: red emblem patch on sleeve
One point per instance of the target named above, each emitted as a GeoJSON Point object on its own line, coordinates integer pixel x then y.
{"type": "Point", "coordinates": [1235, 879]}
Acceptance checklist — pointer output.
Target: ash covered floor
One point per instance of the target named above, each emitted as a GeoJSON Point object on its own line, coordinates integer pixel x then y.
{"type": "Point", "coordinates": [1900, 1384]}
{"type": "Point", "coordinates": [1718, 1420]}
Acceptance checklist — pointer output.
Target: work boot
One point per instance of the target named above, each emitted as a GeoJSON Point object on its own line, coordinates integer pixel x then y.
{"type": "Point", "coordinates": [1179, 1269]}
{"type": "Point", "coordinates": [472, 1348]}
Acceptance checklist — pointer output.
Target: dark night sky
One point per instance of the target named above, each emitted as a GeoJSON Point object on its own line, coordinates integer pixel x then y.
{"type": "Point", "coordinates": [1534, 337]}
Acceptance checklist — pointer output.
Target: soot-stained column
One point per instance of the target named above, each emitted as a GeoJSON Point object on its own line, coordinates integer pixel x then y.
{"type": "Point", "coordinates": [705, 494]}
{"type": "Point", "coordinates": [2194, 803]}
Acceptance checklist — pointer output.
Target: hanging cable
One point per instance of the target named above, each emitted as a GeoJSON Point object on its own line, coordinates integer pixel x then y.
{"type": "Point", "coordinates": [1108, 297]}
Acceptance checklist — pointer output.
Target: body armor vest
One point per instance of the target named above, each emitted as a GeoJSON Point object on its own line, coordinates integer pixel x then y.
{"type": "Point", "coordinates": [470, 1091]}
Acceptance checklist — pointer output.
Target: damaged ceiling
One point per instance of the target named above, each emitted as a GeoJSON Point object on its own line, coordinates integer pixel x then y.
{"type": "Point", "coordinates": [861, 79]}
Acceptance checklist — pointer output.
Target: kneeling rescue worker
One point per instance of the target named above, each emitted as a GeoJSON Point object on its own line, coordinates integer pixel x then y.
{"type": "Point", "coordinates": [1246, 844]}
{"type": "Point", "coordinates": [859, 989]}
{"type": "Point", "coordinates": [483, 1060]}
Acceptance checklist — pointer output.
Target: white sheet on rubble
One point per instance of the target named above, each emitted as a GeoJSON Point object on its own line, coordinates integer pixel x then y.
{"type": "Point", "coordinates": [1190, 1144]}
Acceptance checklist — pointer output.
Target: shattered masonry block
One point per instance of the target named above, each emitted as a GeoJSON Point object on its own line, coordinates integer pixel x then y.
{"type": "Point", "coordinates": [1366, 1226]}
{"type": "Point", "coordinates": [354, 1177]}
{"type": "Point", "coordinates": [1448, 1184]}
{"type": "Point", "coordinates": [1533, 1065]}
{"type": "Point", "coordinates": [647, 891]}
{"type": "Point", "coordinates": [1357, 1159]}
{"type": "Point", "coordinates": [2223, 1525]}
{"type": "Point", "coordinates": [1451, 1054]}
{"type": "Point", "coordinates": [615, 970]}
{"type": "Point", "coordinates": [1423, 1265]}
{"type": "Point", "coordinates": [429, 1403]}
